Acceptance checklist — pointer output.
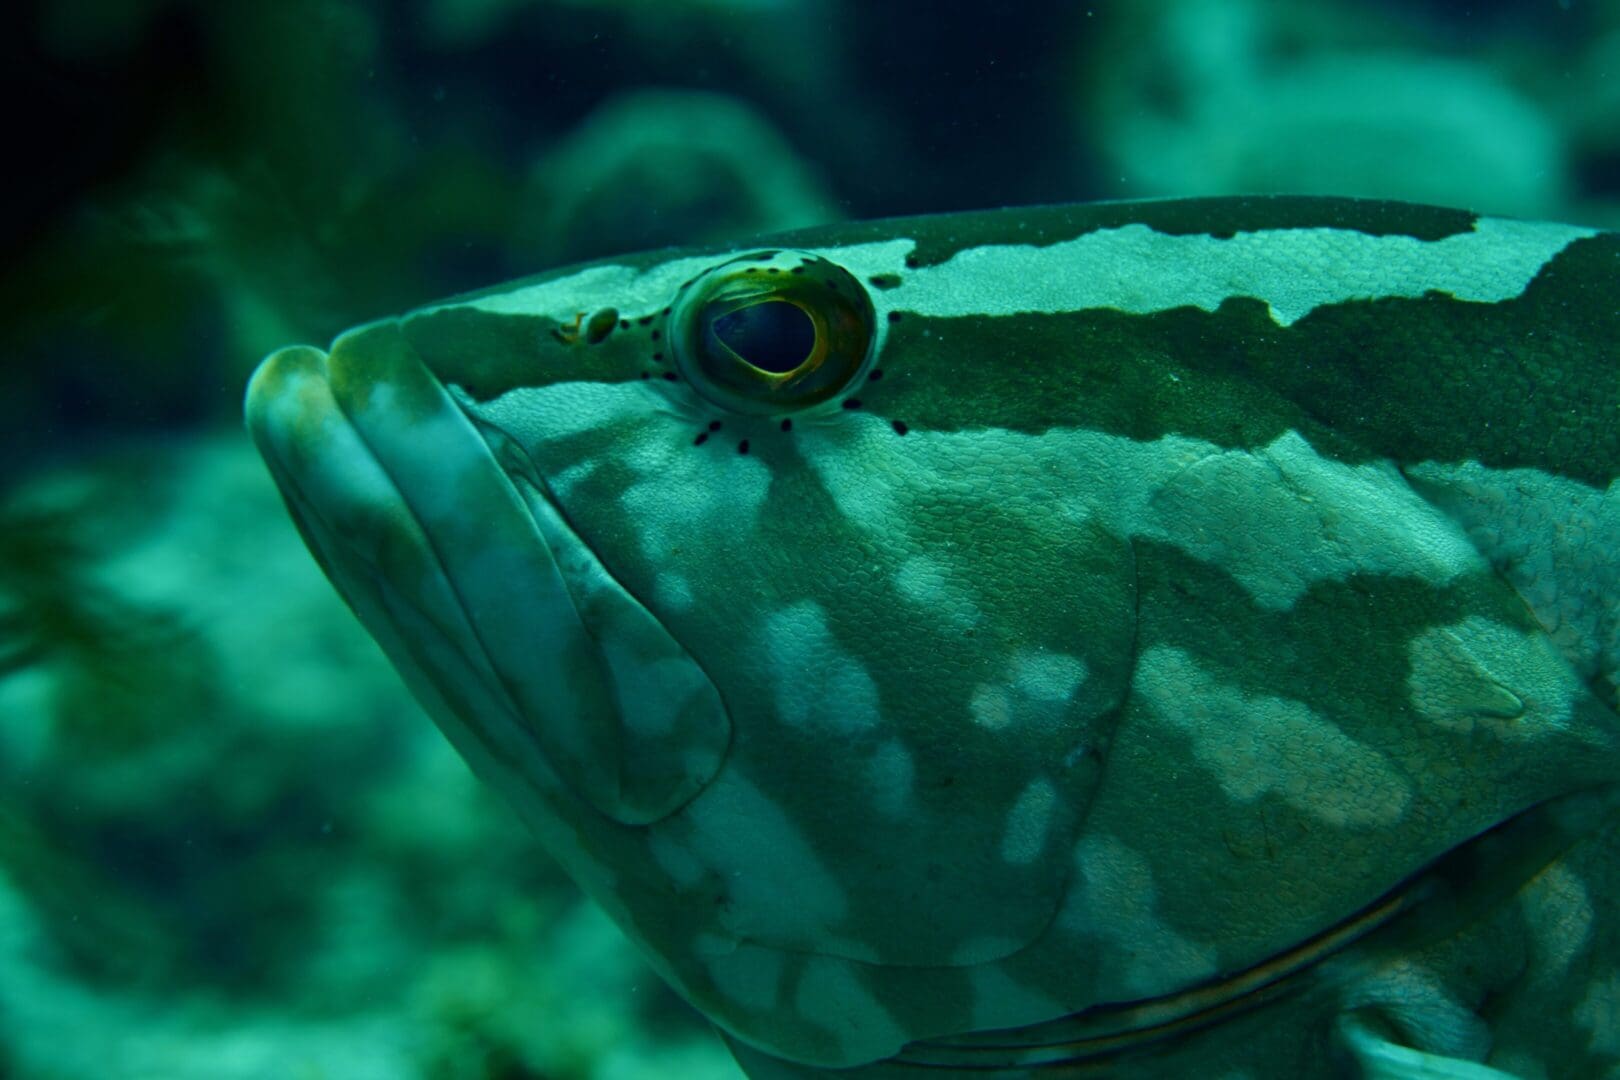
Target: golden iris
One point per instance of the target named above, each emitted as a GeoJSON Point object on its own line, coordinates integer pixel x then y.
{"type": "Point", "coordinates": [772, 331]}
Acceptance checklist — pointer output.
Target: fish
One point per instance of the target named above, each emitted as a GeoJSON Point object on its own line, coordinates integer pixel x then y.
{"type": "Point", "coordinates": [1166, 638]}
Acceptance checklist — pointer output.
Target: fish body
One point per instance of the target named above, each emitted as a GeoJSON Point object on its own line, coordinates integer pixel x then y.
{"type": "Point", "coordinates": [1172, 638]}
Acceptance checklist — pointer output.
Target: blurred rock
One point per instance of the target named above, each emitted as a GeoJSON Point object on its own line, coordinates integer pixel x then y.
{"type": "Point", "coordinates": [651, 168]}
{"type": "Point", "coordinates": [1591, 109]}
{"type": "Point", "coordinates": [1217, 99]}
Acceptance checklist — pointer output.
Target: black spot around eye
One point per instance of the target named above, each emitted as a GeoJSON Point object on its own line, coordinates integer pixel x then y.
{"type": "Point", "coordinates": [773, 336]}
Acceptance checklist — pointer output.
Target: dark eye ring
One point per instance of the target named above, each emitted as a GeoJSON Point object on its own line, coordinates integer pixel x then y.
{"type": "Point", "coordinates": [772, 332]}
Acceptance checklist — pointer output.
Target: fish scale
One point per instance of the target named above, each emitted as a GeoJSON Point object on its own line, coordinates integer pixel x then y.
{"type": "Point", "coordinates": [1141, 639]}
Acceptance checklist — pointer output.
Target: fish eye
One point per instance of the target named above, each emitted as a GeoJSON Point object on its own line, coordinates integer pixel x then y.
{"type": "Point", "coordinates": [772, 331]}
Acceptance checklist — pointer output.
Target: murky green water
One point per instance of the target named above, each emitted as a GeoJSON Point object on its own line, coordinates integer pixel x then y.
{"type": "Point", "coordinates": [230, 844]}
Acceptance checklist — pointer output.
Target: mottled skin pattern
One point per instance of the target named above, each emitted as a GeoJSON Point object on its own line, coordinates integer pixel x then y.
{"type": "Point", "coordinates": [1185, 644]}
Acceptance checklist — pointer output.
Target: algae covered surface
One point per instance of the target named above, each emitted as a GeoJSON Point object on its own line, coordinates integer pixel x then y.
{"type": "Point", "coordinates": [230, 843]}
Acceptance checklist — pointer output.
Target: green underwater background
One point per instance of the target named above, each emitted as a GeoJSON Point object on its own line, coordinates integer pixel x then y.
{"type": "Point", "coordinates": [231, 846]}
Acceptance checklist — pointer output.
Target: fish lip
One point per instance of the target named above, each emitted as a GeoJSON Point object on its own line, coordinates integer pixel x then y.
{"type": "Point", "coordinates": [362, 526]}
{"type": "Point", "coordinates": [451, 549]}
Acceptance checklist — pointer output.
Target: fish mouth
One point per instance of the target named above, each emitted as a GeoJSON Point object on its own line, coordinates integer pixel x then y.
{"type": "Point", "coordinates": [362, 528]}
{"type": "Point", "coordinates": [540, 668]}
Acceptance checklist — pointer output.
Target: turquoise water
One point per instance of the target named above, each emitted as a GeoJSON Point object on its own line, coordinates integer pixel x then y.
{"type": "Point", "coordinates": [230, 844]}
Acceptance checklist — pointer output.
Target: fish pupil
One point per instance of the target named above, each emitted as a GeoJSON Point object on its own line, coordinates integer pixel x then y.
{"type": "Point", "coordinates": [774, 336]}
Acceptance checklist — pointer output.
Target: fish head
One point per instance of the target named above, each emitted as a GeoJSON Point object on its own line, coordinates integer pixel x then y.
{"type": "Point", "coordinates": [902, 634]}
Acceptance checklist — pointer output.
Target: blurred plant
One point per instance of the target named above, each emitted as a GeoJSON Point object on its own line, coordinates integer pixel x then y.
{"type": "Point", "coordinates": [269, 192]}
{"type": "Point", "coordinates": [126, 675]}
{"type": "Point", "coordinates": [122, 679]}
